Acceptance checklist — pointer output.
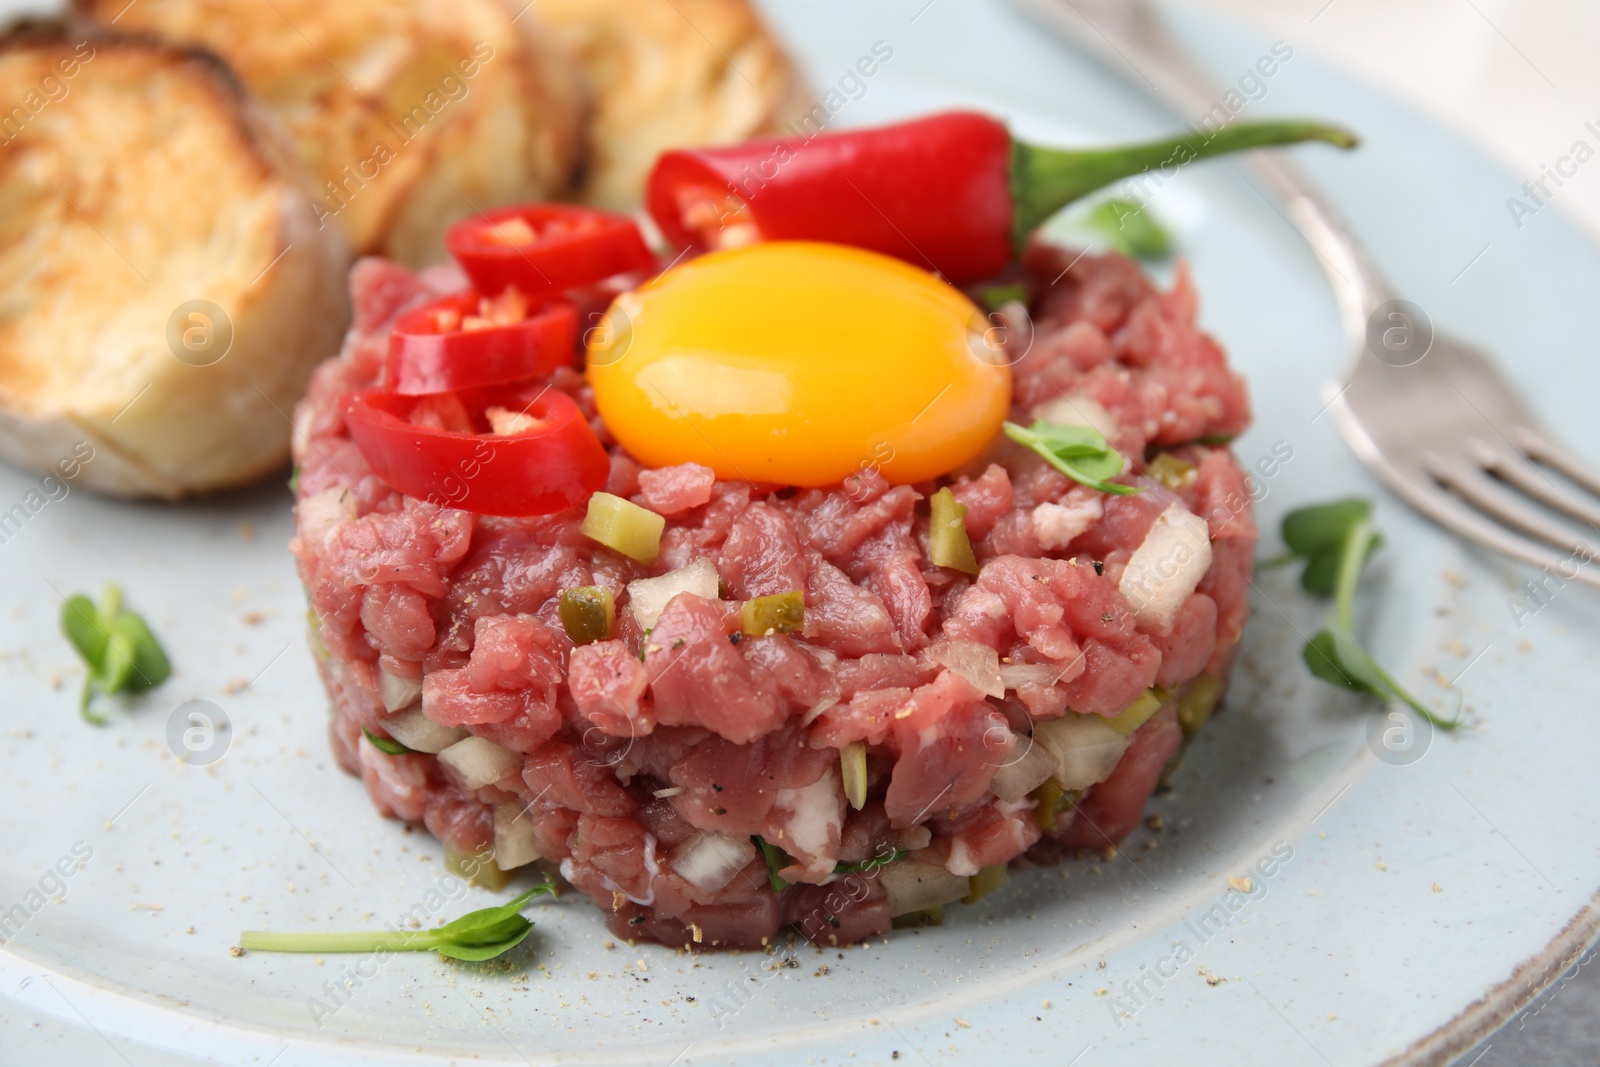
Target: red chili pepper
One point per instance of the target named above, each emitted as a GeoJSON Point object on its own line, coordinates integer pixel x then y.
{"type": "Point", "coordinates": [952, 193]}
{"type": "Point", "coordinates": [466, 340]}
{"type": "Point", "coordinates": [540, 248]}
{"type": "Point", "coordinates": [437, 448]}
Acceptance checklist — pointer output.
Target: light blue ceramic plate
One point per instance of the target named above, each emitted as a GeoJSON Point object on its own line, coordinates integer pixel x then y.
{"type": "Point", "coordinates": [1395, 910]}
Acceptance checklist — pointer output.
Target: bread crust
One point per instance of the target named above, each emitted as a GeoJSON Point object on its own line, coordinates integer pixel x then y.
{"type": "Point", "coordinates": [408, 114]}
{"type": "Point", "coordinates": [669, 73]}
{"type": "Point", "coordinates": [143, 180]}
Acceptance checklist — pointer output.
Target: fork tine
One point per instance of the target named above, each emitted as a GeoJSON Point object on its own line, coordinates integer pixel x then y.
{"type": "Point", "coordinates": [1515, 470]}
{"type": "Point", "coordinates": [1536, 447]}
{"type": "Point", "coordinates": [1450, 512]}
{"type": "Point", "coordinates": [1469, 481]}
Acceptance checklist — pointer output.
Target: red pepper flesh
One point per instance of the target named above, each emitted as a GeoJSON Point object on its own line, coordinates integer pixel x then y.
{"type": "Point", "coordinates": [934, 192]}
{"type": "Point", "coordinates": [447, 345]}
{"type": "Point", "coordinates": [541, 248]}
{"type": "Point", "coordinates": [952, 193]}
{"type": "Point", "coordinates": [555, 463]}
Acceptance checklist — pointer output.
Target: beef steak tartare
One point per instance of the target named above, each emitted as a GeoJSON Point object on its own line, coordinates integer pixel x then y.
{"type": "Point", "coordinates": [887, 750]}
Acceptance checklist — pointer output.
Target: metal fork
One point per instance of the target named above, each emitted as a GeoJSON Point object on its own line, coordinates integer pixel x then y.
{"type": "Point", "coordinates": [1438, 423]}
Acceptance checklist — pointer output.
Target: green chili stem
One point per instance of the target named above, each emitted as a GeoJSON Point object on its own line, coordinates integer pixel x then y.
{"type": "Point", "coordinates": [1045, 180]}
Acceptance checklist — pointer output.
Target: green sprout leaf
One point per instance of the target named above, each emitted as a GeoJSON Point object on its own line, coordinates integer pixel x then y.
{"type": "Point", "coordinates": [1335, 541]}
{"type": "Point", "coordinates": [117, 647]}
{"type": "Point", "coordinates": [386, 745]}
{"type": "Point", "coordinates": [867, 865]}
{"type": "Point", "coordinates": [995, 297]}
{"type": "Point", "coordinates": [1080, 452]}
{"type": "Point", "coordinates": [776, 859]}
{"type": "Point", "coordinates": [476, 936]}
{"type": "Point", "coordinates": [1130, 229]}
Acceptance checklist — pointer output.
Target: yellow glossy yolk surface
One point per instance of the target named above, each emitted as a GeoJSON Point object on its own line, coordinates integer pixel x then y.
{"type": "Point", "coordinates": [800, 363]}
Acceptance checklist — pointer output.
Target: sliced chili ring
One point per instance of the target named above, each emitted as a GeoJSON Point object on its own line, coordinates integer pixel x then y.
{"type": "Point", "coordinates": [459, 342]}
{"type": "Point", "coordinates": [542, 248]}
{"type": "Point", "coordinates": [552, 462]}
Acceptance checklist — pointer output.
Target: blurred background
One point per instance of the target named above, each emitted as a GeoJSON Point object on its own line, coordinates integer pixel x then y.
{"type": "Point", "coordinates": [1516, 77]}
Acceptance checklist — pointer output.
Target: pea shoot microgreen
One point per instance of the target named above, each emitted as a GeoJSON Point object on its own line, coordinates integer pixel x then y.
{"type": "Point", "coordinates": [121, 653]}
{"type": "Point", "coordinates": [870, 864]}
{"type": "Point", "coordinates": [1130, 229]}
{"type": "Point", "coordinates": [995, 297]}
{"type": "Point", "coordinates": [387, 745]}
{"type": "Point", "coordinates": [1335, 540]}
{"type": "Point", "coordinates": [476, 936]}
{"type": "Point", "coordinates": [1080, 452]}
{"type": "Point", "coordinates": [777, 860]}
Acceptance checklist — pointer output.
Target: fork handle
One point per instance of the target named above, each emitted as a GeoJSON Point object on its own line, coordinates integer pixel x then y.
{"type": "Point", "coordinates": [1130, 33]}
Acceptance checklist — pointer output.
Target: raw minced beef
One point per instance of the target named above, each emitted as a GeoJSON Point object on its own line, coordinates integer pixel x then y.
{"type": "Point", "coordinates": [628, 752]}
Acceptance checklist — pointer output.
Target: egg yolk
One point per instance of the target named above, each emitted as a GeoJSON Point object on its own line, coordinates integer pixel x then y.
{"type": "Point", "coordinates": [802, 364]}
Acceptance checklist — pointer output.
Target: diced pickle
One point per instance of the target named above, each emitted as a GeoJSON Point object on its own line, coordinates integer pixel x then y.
{"type": "Point", "coordinates": [911, 920]}
{"type": "Point", "coordinates": [948, 543]}
{"type": "Point", "coordinates": [477, 868]}
{"type": "Point", "coordinates": [314, 625]}
{"type": "Point", "coordinates": [1198, 702]}
{"type": "Point", "coordinates": [1138, 713]}
{"type": "Point", "coordinates": [781, 613]}
{"type": "Point", "coordinates": [588, 613]}
{"type": "Point", "coordinates": [986, 881]}
{"type": "Point", "coordinates": [1051, 800]}
{"type": "Point", "coordinates": [853, 766]}
{"type": "Point", "coordinates": [623, 526]}
{"type": "Point", "coordinates": [1171, 471]}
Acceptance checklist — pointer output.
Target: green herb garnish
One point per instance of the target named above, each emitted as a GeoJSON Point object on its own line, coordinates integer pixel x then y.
{"type": "Point", "coordinates": [475, 937]}
{"type": "Point", "coordinates": [1130, 229]}
{"type": "Point", "coordinates": [1080, 452]}
{"type": "Point", "coordinates": [387, 745]}
{"type": "Point", "coordinates": [122, 655]}
{"type": "Point", "coordinates": [777, 859]}
{"type": "Point", "coordinates": [1335, 541]}
{"type": "Point", "coordinates": [867, 865]}
{"type": "Point", "coordinates": [995, 297]}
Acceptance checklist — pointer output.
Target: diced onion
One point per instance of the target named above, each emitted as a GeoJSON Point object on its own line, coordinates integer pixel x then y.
{"type": "Point", "coordinates": [398, 693]}
{"type": "Point", "coordinates": [419, 733]}
{"type": "Point", "coordinates": [513, 836]}
{"type": "Point", "coordinates": [1165, 569]}
{"type": "Point", "coordinates": [853, 766]}
{"type": "Point", "coordinates": [1085, 747]}
{"type": "Point", "coordinates": [1018, 675]}
{"type": "Point", "coordinates": [708, 861]}
{"type": "Point", "coordinates": [914, 886]}
{"type": "Point", "coordinates": [1078, 410]}
{"type": "Point", "coordinates": [1027, 766]}
{"type": "Point", "coordinates": [648, 597]}
{"type": "Point", "coordinates": [978, 663]}
{"type": "Point", "coordinates": [478, 762]}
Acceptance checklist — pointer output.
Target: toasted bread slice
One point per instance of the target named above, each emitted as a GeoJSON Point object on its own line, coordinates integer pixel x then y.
{"type": "Point", "coordinates": [669, 73]}
{"type": "Point", "coordinates": [138, 179]}
{"type": "Point", "coordinates": [409, 114]}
